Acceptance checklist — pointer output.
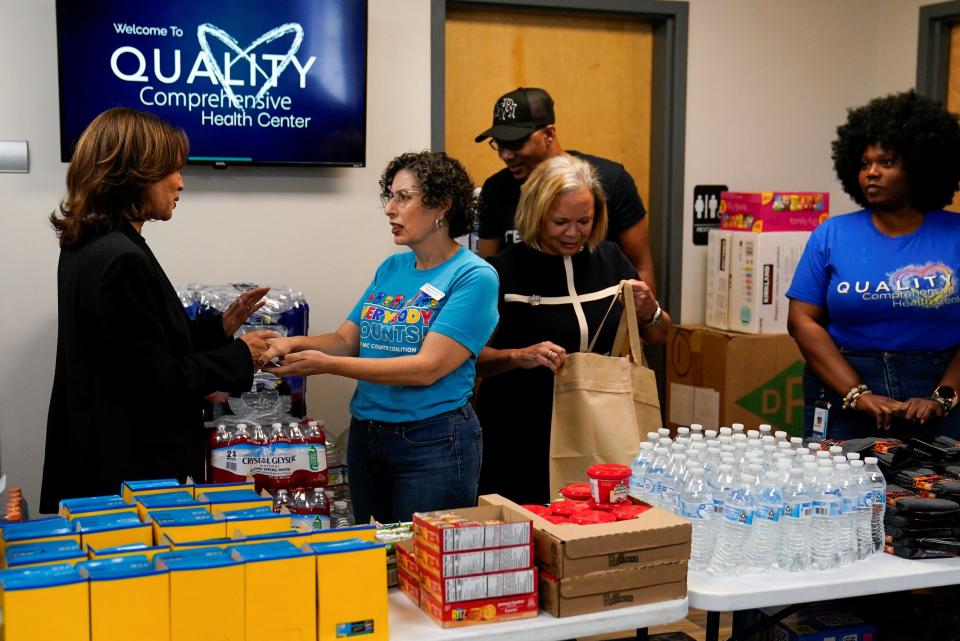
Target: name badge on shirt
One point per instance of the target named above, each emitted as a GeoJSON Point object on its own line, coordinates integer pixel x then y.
{"type": "Point", "coordinates": [432, 292]}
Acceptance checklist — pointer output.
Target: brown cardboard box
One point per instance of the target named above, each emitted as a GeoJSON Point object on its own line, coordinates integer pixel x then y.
{"type": "Point", "coordinates": [478, 530]}
{"type": "Point", "coordinates": [566, 550]}
{"type": "Point", "coordinates": [612, 588]}
{"type": "Point", "coordinates": [717, 378]}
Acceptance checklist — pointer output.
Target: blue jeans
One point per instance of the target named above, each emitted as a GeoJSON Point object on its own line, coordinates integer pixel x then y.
{"type": "Point", "coordinates": [899, 375]}
{"type": "Point", "coordinates": [396, 469]}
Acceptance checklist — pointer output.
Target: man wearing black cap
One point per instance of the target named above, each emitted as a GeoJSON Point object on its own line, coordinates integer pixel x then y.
{"type": "Point", "coordinates": [524, 135]}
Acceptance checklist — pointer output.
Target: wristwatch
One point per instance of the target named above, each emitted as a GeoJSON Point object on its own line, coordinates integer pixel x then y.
{"type": "Point", "coordinates": [655, 319]}
{"type": "Point", "coordinates": [946, 396]}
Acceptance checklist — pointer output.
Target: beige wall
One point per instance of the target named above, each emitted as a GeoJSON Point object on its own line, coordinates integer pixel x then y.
{"type": "Point", "coordinates": [768, 82]}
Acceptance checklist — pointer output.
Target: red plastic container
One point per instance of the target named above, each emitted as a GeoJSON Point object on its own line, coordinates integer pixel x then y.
{"type": "Point", "coordinates": [627, 512]}
{"type": "Point", "coordinates": [566, 508]}
{"type": "Point", "coordinates": [609, 483]}
{"type": "Point", "coordinates": [576, 492]}
{"type": "Point", "coordinates": [592, 517]}
{"type": "Point", "coordinates": [539, 510]}
{"type": "Point", "coordinates": [556, 519]}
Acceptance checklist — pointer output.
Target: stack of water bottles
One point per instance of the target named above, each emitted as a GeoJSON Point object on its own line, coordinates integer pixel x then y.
{"type": "Point", "coordinates": [758, 500]}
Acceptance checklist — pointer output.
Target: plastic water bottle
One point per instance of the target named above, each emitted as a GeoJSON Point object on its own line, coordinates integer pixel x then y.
{"type": "Point", "coordinates": [764, 541]}
{"type": "Point", "coordinates": [847, 533]}
{"type": "Point", "coordinates": [672, 483]}
{"type": "Point", "coordinates": [864, 509]}
{"type": "Point", "coordinates": [696, 505]}
{"type": "Point", "coordinates": [340, 515]}
{"type": "Point", "coordinates": [794, 554]}
{"type": "Point", "coordinates": [319, 506]}
{"type": "Point", "coordinates": [653, 438]}
{"type": "Point", "coordinates": [738, 510]}
{"type": "Point", "coordinates": [638, 470]}
{"type": "Point", "coordinates": [719, 488]}
{"type": "Point", "coordinates": [827, 509]}
{"type": "Point", "coordinates": [652, 482]}
{"type": "Point", "coordinates": [879, 504]}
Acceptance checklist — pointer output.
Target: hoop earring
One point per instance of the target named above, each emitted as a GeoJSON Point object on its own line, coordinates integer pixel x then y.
{"type": "Point", "coordinates": [438, 223]}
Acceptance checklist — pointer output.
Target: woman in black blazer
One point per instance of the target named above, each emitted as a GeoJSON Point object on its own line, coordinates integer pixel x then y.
{"type": "Point", "coordinates": [132, 369]}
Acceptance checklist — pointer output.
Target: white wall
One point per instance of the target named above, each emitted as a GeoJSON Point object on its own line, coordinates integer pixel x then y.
{"type": "Point", "coordinates": [769, 81]}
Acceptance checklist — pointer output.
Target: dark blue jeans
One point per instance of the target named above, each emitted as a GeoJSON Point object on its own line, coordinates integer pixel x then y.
{"type": "Point", "coordinates": [396, 469]}
{"type": "Point", "coordinates": [901, 376]}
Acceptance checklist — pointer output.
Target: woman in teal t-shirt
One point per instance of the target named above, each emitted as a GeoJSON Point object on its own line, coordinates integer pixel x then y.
{"type": "Point", "coordinates": [412, 342]}
{"type": "Point", "coordinates": [875, 301]}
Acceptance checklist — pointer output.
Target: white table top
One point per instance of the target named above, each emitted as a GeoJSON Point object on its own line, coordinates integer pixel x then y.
{"type": "Point", "coordinates": [878, 574]}
{"type": "Point", "coordinates": [408, 623]}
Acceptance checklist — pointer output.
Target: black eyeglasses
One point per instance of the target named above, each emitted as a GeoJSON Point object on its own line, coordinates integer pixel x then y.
{"type": "Point", "coordinates": [510, 145]}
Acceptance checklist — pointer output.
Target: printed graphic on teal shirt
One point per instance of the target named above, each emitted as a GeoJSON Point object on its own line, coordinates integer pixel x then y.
{"type": "Point", "coordinates": [393, 324]}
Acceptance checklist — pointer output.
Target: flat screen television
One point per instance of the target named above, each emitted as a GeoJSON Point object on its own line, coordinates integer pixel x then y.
{"type": "Point", "coordinates": [250, 81]}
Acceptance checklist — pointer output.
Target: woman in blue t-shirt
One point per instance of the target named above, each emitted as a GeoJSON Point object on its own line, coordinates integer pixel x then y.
{"type": "Point", "coordinates": [875, 301]}
{"type": "Point", "coordinates": [412, 342]}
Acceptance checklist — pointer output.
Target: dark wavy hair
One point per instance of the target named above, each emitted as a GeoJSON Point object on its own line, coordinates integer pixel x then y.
{"type": "Point", "coordinates": [117, 157]}
{"type": "Point", "coordinates": [442, 180]}
{"type": "Point", "coordinates": [924, 135]}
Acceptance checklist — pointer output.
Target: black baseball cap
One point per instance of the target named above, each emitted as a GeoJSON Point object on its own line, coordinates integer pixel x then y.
{"type": "Point", "coordinates": [520, 113]}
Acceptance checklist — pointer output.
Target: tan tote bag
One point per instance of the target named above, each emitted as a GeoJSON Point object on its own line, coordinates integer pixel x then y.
{"type": "Point", "coordinates": [602, 405]}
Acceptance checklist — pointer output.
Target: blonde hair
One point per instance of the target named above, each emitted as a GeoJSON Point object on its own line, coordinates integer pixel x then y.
{"type": "Point", "coordinates": [119, 154]}
{"type": "Point", "coordinates": [553, 178]}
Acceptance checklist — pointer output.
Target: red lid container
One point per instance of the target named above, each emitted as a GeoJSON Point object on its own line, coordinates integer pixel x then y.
{"type": "Point", "coordinates": [576, 492]}
{"type": "Point", "coordinates": [609, 483]}
{"type": "Point", "coordinates": [592, 517]}
{"type": "Point", "coordinates": [627, 512]}
{"type": "Point", "coordinates": [566, 508]}
{"type": "Point", "coordinates": [556, 519]}
{"type": "Point", "coordinates": [539, 510]}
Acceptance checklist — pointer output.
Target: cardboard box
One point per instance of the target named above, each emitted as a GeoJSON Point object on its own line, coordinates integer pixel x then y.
{"type": "Point", "coordinates": [148, 551]}
{"type": "Point", "coordinates": [761, 270]}
{"type": "Point", "coordinates": [44, 530]}
{"type": "Point", "coordinates": [514, 529]}
{"type": "Point", "coordinates": [204, 582]}
{"type": "Point", "coordinates": [457, 615]}
{"type": "Point", "coordinates": [518, 557]}
{"type": "Point", "coordinates": [717, 378]}
{"type": "Point", "coordinates": [718, 278]}
{"type": "Point", "coordinates": [409, 585]}
{"type": "Point", "coordinates": [479, 586]}
{"type": "Point", "coordinates": [351, 590]}
{"type": "Point", "coordinates": [824, 623]}
{"type": "Point", "coordinates": [567, 550]}
{"type": "Point", "coordinates": [770, 211]}
{"type": "Point", "coordinates": [45, 603]}
{"type": "Point", "coordinates": [612, 589]}
{"type": "Point", "coordinates": [128, 598]}
{"type": "Point", "coordinates": [406, 559]}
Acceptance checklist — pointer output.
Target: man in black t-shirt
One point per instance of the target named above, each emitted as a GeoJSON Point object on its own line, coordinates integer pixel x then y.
{"type": "Point", "coordinates": [524, 135]}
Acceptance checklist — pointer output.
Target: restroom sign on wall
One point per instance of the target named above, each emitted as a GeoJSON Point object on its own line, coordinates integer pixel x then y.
{"type": "Point", "coordinates": [706, 211]}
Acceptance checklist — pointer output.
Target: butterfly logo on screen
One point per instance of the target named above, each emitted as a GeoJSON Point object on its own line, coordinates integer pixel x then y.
{"type": "Point", "coordinates": [205, 30]}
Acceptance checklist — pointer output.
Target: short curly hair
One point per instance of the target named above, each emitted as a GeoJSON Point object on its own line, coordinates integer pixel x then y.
{"type": "Point", "coordinates": [919, 130]}
{"type": "Point", "coordinates": [442, 180]}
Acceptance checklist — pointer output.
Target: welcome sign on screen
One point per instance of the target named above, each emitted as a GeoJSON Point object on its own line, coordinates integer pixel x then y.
{"type": "Point", "coordinates": [250, 81]}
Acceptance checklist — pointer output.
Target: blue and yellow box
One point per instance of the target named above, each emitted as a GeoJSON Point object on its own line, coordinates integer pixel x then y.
{"type": "Point", "coordinates": [129, 599]}
{"type": "Point", "coordinates": [188, 524]}
{"type": "Point", "coordinates": [22, 555]}
{"type": "Point", "coordinates": [94, 506]}
{"type": "Point", "coordinates": [41, 531]}
{"type": "Point", "coordinates": [267, 568]}
{"type": "Point", "coordinates": [130, 490]}
{"type": "Point", "coordinates": [133, 549]}
{"type": "Point", "coordinates": [45, 603]}
{"type": "Point", "coordinates": [351, 590]}
{"type": "Point", "coordinates": [258, 520]}
{"type": "Point", "coordinates": [212, 488]}
{"type": "Point", "coordinates": [204, 583]}
{"type": "Point", "coordinates": [166, 501]}
{"type": "Point", "coordinates": [111, 530]}
{"type": "Point", "coordinates": [235, 500]}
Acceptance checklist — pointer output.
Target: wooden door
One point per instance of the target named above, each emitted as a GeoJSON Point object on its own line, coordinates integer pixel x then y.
{"type": "Point", "coordinates": [953, 90]}
{"type": "Point", "coordinates": [597, 68]}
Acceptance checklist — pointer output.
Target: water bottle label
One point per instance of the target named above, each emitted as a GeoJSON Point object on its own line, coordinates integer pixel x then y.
{"type": "Point", "coordinates": [636, 483]}
{"type": "Point", "coordinates": [798, 509]}
{"type": "Point", "coordinates": [668, 496]}
{"type": "Point", "coordinates": [768, 512]}
{"type": "Point", "coordinates": [879, 496]}
{"type": "Point", "coordinates": [234, 459]}
{"type": "Point", "coordinates": [718, 506]}
{"type": "Point", "coordinates": [849, 505]}
{"type": "Point", "coordinates": [694, 510]}
{"type": "Point", "coordinates": [865, 499]}
{"type": "Point", "coordinates": [737, 515]}
{"type": "Point", "coordinates": [826, 508]}
{"type": "Point", "coordinates": [649, 487]}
